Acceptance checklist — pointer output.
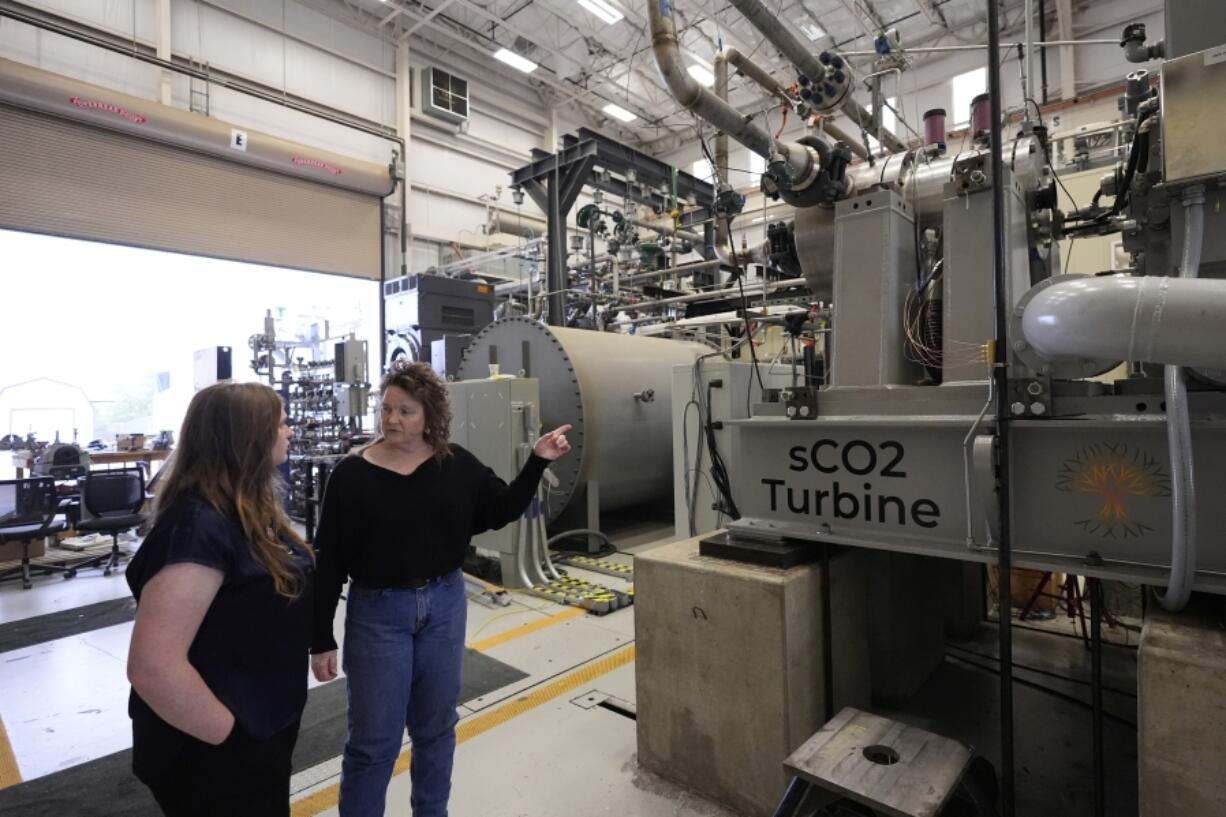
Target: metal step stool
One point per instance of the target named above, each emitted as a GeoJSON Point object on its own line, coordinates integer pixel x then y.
{"type": "Point", "coordinates": [883, 767]}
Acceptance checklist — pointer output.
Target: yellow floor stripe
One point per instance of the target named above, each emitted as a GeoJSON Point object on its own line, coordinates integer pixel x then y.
{"type": "Point", "coordinates": [524, 629]}
{"type": "Point", "coordinates": [10, 775]}
{"type": "Point", "coordinates": [467, 730]}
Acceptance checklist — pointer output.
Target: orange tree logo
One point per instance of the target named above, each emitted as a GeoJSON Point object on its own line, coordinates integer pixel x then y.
{"type": "Point", "coordinates": [1113, 473]}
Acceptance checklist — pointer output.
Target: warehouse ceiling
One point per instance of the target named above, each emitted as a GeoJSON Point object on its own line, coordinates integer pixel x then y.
{"type": "Point", "coordinates": [590, 53]}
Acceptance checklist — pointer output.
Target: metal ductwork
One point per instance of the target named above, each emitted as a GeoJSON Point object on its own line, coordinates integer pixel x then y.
{"type": "Point", "coordinates": [1147, 319]}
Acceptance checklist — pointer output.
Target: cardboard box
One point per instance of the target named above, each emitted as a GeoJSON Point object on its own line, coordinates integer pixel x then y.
{"type": "Point", "coordinates": [129, 442]}
{"type": "Point", "coordinates": [12, 551]}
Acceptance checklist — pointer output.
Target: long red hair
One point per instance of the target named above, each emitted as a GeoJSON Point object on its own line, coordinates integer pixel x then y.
{"type": "Point", "coordinates": [224, 455]}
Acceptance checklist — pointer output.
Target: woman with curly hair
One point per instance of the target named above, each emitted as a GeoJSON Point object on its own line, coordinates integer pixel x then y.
{"type": "Point", "coordinates": [396, 521]}
{"type": "Point", "coordinates": [218, 659]}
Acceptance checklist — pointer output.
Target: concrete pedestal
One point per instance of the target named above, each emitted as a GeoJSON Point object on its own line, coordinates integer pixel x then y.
{"type": "Point", "coordinates": [1181, 716]}
{"type": "Point", "coordinates": [730, 676]}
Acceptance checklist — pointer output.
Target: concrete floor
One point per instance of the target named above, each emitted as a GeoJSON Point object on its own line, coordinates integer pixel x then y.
{"type": "Point", "coordinates": [541, 747]}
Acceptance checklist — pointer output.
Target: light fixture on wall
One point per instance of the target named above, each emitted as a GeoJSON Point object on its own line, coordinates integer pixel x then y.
{"type": "Point", "coordinates": [515, 61]}
{"type": "Point", "coordinates": [618, 112]}
{"type": "Point", "coordinates": [602, 10]}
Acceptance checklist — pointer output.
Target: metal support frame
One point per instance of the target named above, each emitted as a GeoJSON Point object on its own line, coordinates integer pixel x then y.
{"type": "Point", "coordinates": [1000, 277]}
{"type": "Point", "coordinates": [554, 181]}
{"type": "Point", "coordinates": [1096, 661]}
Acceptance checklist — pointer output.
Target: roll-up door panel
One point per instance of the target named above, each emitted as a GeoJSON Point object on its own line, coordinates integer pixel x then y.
{"type": "Point", "coordinates": [68, 179]}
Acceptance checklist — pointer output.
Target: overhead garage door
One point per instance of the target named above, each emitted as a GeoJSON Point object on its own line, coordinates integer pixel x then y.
{"type": "Point", "coordinates": [76, 162]}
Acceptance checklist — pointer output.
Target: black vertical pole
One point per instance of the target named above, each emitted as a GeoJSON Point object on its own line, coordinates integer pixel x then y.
{"type": "Point", "coordinates": [1001, 382]}
{"type": "Point", "coordinates": [555, 275]}
{"type": "Point", "coordinates": [827, 635]}
{"type": "Point", "coordinates": [382, 279]}
{"type": "Point", "coordinates": [1043, 49]}
{"type": "Point", "coordinates": [1096, 658]}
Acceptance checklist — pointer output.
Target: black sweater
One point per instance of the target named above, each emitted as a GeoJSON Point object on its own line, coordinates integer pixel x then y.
{"type": "Point", "coordinates": [385, 529]}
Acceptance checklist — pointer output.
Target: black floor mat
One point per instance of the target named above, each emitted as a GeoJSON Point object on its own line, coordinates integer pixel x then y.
{"type": "Point", "coordinates": [30, 631]}
{"type": "Point", "coordinates": [105, 787]}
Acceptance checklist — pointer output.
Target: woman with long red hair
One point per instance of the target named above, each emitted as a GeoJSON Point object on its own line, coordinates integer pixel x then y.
{"type": "Point", "coordinates": [218, 659]}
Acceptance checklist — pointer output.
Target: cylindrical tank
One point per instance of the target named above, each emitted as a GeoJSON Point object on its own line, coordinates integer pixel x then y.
{"type": "Point", "coordinates": [981, 114]}
{"type": "Point", "coordinates": [616, 390]}
{"type": "Point", "coordinates": [920, 180]}
{"type": "Point", "coordinates": [934, 127]}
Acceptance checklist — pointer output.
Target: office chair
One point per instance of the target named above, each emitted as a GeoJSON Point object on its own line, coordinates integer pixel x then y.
{"type": "Point", "coordinates": [28, 512]}
{"type": "Point", "coordinates": [110, 503]}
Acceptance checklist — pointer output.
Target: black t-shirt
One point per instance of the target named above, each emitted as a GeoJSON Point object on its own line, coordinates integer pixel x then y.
{"type": "Point", "coordinates": [252, 646]}
{"type": "Point", "coordinates": [385, 529]}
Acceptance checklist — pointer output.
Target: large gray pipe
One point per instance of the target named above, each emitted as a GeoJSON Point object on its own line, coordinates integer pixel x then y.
{"type": "Point", "coordinates": [1148, 319]}
{"type": "Point", "coordinates": [723, 116]}
{"type": "Point", "coordinates": [779, 35]}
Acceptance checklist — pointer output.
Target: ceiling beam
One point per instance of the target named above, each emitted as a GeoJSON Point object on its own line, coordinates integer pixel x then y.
{"type": "Point", "coordinates": [411, 30]}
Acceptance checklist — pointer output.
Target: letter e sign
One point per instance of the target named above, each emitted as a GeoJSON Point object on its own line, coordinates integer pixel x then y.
{"type": "Point", "coordinates": [238, 139]}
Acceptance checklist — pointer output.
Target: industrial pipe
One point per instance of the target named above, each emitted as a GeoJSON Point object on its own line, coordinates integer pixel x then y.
{"type": "Point", "coordinates": [1147, 319]}
{"type": "Point", "coordinates": [1179, 429]}
{"type": "Point", "coordinates": [723, 233]}
{"type": "Point", "coordinates": [756, 73]}
{"type": "Point", "coordinates": [950, 49]}
{"type": "Point", "coordinates": [770, 27]}
{"type": "Point", "coordinates": [667, 229]}
{"type": "Point", "coordinates": [752, 289]}
{"type": "Point", "coordinates": [1136, 49]}
{"type": "Point", "coordinates": [680, 269]}
{"type": "Point", "coordinates": [693, 97]}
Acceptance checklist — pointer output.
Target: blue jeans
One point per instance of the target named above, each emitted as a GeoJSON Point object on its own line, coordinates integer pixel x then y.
{"type": "Point", "coordinates": [402, 655]}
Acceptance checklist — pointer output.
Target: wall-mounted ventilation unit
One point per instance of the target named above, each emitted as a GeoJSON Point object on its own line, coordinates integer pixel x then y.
{"type": "Point", "coordinates": [444, 96]}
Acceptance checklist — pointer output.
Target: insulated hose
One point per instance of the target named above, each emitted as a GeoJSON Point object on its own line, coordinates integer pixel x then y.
{"type": "Point", "coordinates": [1179, 430]}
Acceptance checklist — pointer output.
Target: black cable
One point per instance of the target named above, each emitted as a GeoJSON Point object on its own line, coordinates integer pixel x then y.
{"type": "Point", "coordinates": [719, 471]}
{"type": "Point", "coordinates": [753, 354]}
{"type": "Point", "coordinates": [1072, 239]}
{"type": "Point", "coordinates": [1073, 699]}
{"type": "Point", "coordinates": [1070, 679]}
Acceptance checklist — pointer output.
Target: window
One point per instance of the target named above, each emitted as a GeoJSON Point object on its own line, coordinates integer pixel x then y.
{"type": "Point", "coordinates": [966, 87]}
{"type": "Point", "coordinates": [703, 170]}
{"type": "Point", "coordinates": [889, 121]}
{"type": "Point", "coordinates": [446, 96]}
{"type": "Point", "coordinates": [756, 167]}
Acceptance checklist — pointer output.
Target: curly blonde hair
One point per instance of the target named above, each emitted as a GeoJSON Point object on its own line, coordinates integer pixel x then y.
{"type": "Point", "coordinates": [421, 383]}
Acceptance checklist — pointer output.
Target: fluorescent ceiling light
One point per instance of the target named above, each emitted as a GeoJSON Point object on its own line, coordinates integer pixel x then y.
{"type": "Point", "coordinates": [602, 10]}
{"type": "Point", "coordinates": [812, 32]}
{"type": "Point", "coordinates": [618, 112]}
{"type": "Point", "coordinates": [514, 60]}
{"type": "Point", "coordinates": [704, 77]}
